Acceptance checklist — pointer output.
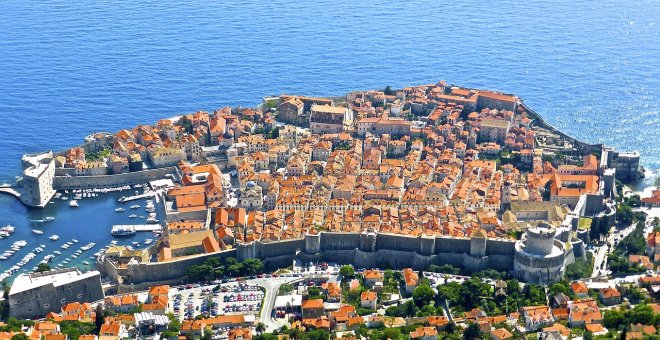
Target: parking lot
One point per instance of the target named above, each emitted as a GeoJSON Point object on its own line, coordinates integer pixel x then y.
{"type": "Point", "coordinates": [213, 300]}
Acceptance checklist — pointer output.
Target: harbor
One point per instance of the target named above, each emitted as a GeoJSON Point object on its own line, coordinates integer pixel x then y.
{"type": "Point", "coordinates": [63, 235]}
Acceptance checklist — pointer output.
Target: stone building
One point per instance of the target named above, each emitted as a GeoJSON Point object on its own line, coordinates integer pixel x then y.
{"type": "Point", "coordinates": [625, 163]}
{"type": "Point", "coordinates": [251, 196]}
{"type": "Point", "coordinates": [38, 174]}
{"type": "Point", "coordinates": [493, 130]}
{"type": "Point", "coordinates": [35, 295]}
{"type": "Point", "coordinates": [329, 119]}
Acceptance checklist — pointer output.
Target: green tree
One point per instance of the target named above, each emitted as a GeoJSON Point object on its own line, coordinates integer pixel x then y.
{"type": "Point", "coordinates": [19, 336]}
{"type": "Point", "coordinates": [391, 333]}
{"type": "Point", "coordinates": [588, 335]}
{"type": "Point", "coordinates": [612, 319]}
{"type": "Point", "coordinates": [423, 295]}
{"type": "Point", "coordinates": [642, 313]}
{"type": "Point", "coordinates": [318, 334]}
{"type": "Point", "coordinates": [208, 335]}
{"type": "Point", "coordinates": [450, 291]}
{"type": "Point", "coordinates": [624, 214]}
{"type": "Point", "coordinates": [260, 327]}
{"type": "Point", "coordinates": [43, 267]}
{"type": "Point", "coordinates": [100, 317]}
{"type": "Point", "coordinates": [252, 266]}
{"type": "Point", "coordinates": [347, 271]}
{"type": "Point", "coordinates": [472, 332]}
{"type": "Point", "coordinates": [656, 182]}
{"type": "Point", "coordinates": [314, 292]}
{"type": "Point", "coordinates": [235, 269]}
{"type": "Point", "coordinates": [578, 269]}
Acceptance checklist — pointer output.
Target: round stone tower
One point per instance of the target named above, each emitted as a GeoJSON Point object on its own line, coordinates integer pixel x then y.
{"type": "Point", "coordinates": [540, 239]}
{"type": "Point", "coordinates": [539, 257]}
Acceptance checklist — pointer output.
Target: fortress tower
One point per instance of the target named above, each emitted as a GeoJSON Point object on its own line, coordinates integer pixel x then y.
{"type": "Point", "coordinates": [539, 257]}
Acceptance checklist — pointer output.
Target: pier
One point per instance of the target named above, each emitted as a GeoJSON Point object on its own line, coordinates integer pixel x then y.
{"type": "Point", "coordinates": [137, 197]}
{"type": "Point", "coordinates": [130, 229]}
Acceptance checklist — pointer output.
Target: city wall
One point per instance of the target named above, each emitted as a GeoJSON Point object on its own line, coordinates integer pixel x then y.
{"type": "Point", "coordinates": [106, 181]}
{"type": "Point", "coordinates": [390, 251]}
{"type": "Point", "coordinates": [162, 271]}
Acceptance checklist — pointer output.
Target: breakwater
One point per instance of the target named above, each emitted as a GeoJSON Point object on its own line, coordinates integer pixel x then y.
{"type": "Point", "coordinates": [108, 181]}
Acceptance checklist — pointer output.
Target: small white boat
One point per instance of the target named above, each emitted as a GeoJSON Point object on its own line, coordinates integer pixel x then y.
{"type": "Point", "coordinates": [120, 209]}
{"type": "Point", "coordinates": [132, 216]}
{"type": "Point", "coordinates": [54, 237]}
{"type": "Point", "coordinates": [73, 203]}
{"type": "Point", "coordinates": [37, 231]}
{"type": "Point", "coordinates": [135, 206]}
{"type": "Point", "coordinates": [74, 240]}
{"type": "Point", "coordinates": [49, 218]}
{"type": "Point", "coordinates": [85, 263]}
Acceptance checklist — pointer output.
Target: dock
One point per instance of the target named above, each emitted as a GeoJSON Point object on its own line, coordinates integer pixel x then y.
{"type": "Point", "coordinates": [133, 228]}
{"type": "Point", "coordinates": [136, 197]}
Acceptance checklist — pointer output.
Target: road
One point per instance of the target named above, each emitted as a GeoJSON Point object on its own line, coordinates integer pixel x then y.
{"type": "Point", "coordinates": [271, 286]}
{"type": "Point", "coordinates": [600, 253]}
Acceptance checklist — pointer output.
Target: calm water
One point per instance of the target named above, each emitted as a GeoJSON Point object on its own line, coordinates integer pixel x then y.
{"type": "Point", "coordinates": [71, 67]}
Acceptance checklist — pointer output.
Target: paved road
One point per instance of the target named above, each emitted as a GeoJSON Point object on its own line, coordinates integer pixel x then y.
{"type": "Point", "coordinates": [271, 286]}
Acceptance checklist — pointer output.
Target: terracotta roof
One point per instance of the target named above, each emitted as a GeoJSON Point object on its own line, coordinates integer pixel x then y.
{"type": "Point", "coordinates": [312, 304]}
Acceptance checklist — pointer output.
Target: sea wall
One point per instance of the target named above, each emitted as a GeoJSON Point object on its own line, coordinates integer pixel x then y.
{"type": "Point", "coordinates": [106, 181]}
{"type": "Point", "coordinates": [583, 147]}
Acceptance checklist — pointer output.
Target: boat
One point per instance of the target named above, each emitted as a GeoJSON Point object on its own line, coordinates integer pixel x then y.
{"type": "Point", "coordinates": [120, 209]}
{"type": "Point", "coordinates": [65, 246]}
{"type": "Point", "coordinates": [122, 230]}
{"type": "Point", "coordinates": [8, 229]}
{"type": "Point", "coordinates": [135, 206]}
{"type": "Point", "coordinates": [85, 263]}
{"type": "Point", "coordinates": [49, 219]}
{"type": "Point", "coordinates": [73, 203]}
{"type": "Point", "coordinates": [113, 242]}
{"type": "Point", "coordinates": [152, 220]}
{"type": "Point", "coordinates": [64, 198]}
{"type": "Point", "coordinates": [132, 216]}
{"type": "Point", "coordinates": [57, 252]}
{"type": "Point", "coordinates": [37, 231]}
{"type": "Point", "coordinates": [74, 240]}
{"type": "Point", "coordinates": [54, 237]}
{"type": "Point", "coordinates": [137, 244]}
{"type": "Point", "coordinates": [148, 241]}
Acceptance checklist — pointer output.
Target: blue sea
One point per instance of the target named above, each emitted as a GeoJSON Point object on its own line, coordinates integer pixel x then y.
{"type": "Point", "coordinates": [68, 68]}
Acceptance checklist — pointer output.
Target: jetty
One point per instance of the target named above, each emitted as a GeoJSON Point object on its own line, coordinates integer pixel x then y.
{"type": "Point", "coordinates": [130, 229]}
{"type": "Point", "coordinates": [136, 197]}
{"type": "Point", "coordinates": [10, 190]}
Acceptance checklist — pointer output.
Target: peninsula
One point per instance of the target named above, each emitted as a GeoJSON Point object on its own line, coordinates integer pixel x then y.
{"type": "Point", "coordinates": [419, 178]}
